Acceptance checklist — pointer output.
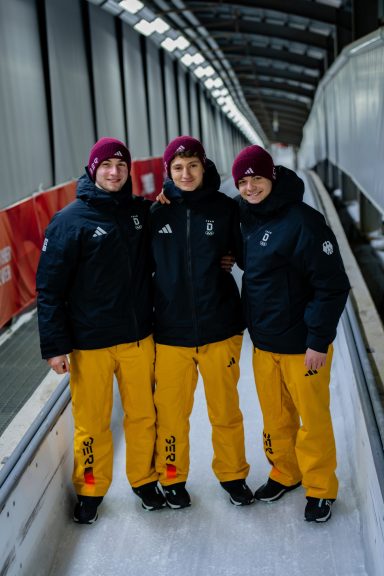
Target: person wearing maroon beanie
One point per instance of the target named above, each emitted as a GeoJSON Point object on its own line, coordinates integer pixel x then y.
{"type": "Point", "coordinates": [95, 305]}
{"type": "Point", "coordinates": [294, 291]}
{"type": "Point", "coordinates": [198, 322]}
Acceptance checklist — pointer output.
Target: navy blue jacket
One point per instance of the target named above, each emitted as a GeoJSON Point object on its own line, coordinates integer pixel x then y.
{"type": "Point", "coordinates": [196, 301]}
{"type": "Point", "coordinates": [294, 283]}
{"type": "Point", "coordinates": [94, 276]}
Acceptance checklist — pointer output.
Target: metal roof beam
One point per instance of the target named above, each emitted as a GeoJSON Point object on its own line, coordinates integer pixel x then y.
{"type": "Point", "coordinates": [232, 52]}
{"type": "Point", "coordinates": [284, 32]}
{"type": "Point", "coordinates": [313, 10]}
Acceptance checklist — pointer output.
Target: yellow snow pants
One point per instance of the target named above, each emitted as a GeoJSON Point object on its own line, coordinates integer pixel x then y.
{"type": "Point", "coordinates": [298, 432]}
{"type": "Point", "coordinates": [176, 374]}
{"type": "Point", "coordinates": [91, 383]}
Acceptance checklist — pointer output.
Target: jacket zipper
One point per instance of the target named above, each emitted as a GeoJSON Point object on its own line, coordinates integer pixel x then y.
{"type": "Point", "coordinates": [129, 265]}
{"type": "Point", "coordinates": [189, 264]}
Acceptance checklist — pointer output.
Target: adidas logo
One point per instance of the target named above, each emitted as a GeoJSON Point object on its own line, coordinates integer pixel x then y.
{"type": "Point", "coordinates": [99, 232]}
{"type": "Point", "coordinates": [249, 171]}
{"type": "Point", "coordinates": [311, 372]}
{"type": "Point", "coordinates": [231, 362]}
{"type": "Point", "coordinates": [166, 229]}
{"type": "Point", "coordinates": [180, 149]}
{"type": "Point", "coordinates": [118, 153]}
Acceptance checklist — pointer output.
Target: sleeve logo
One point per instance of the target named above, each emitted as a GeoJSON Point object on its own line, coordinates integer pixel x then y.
{"type": "Point", "coordinates": [328, 247]}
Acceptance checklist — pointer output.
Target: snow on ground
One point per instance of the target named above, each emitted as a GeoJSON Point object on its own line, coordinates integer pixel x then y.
{"type": "Point", "coordinates": [214, 538]}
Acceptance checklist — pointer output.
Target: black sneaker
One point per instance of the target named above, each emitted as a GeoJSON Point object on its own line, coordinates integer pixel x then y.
{"type": "Point", "coordinates": [86, 509]}
{"type": "Point", "coordinates": [272, 490]}
{"type": "Point", "coordinates": [151, 496]}
{"type": "Point", "coordinates": [239, 493]}
{"type": "Point", "coordinates": [177, 496]}
{"type": "Point", "coordinates": [318, 509]}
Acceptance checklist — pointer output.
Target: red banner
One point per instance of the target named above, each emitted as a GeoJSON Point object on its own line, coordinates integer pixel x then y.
{"type": "Point", "coordinates": [21, 237]}
{"type": "Point", "coordinates": [22, 229]}
{"type": "Point", "coordinates": [46, 204]}
{"type": "Point", "coordinates": [147, 177]}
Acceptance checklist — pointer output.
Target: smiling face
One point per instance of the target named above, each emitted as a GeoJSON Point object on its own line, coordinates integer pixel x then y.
{"type": "Point", "coordinates": [254, 189]}
{"type": "Point", "coordinates": [187, 173]}
{"type": "Point", "coordinates": [112, 174]}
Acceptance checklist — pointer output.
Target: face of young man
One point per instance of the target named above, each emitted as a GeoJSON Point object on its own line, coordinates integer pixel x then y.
{"type": "Point", "coordinates": [254, 189]}
{"type": "Point", "coordinates": [112, 174]}
{"type": "Point", "coordinates": [187, 173]}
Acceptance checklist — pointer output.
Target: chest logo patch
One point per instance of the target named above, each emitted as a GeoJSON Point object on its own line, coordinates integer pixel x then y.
{"type": "Point", "coordinates": [265, 238]}
{"type": "Point", "coordinates": [209, 229]}
{"type": "Point", "coordinates": [136, 222]}
{"type": "Point", "coordinates": [328, 247]}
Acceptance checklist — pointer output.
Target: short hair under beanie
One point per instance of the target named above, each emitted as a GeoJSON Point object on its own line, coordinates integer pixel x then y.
{"type": "Point", "coordinates": [253, 160]}
{"type": "Point", "coordinates": [107, 148]}
{"type": "Point", "coordinates": [178, 146]}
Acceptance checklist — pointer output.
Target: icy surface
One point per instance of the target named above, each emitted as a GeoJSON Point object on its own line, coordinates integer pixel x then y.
{"type": "Point", "coordinates": [214, 538]}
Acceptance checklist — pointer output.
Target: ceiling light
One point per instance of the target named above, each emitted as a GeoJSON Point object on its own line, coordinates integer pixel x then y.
{"type": "Point", "coordinates": [131, 6]}
{"type": "Point", "coordinates": [199, 71]}
{"type": "Point", "coordinates": [182, 43]}
{"type": "Point", "coordinates": [219, 83]}
{"type": "Point", "coordinates": [168, 44]}
{"type": "Point", "coordinates": [209, 71]}
{"type": "Point", "coordinates": [187, 59]}
{"type": "Point", "coordinates": [159, 25]}
{"type": "Point", "coordinates": [198, 58]}
{"type": "Point", "coordinates": [144, 27]}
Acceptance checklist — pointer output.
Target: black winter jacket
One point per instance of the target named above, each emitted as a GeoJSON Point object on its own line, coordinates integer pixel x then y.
{"type": "Point", "coordinates": [294, 284]}
{"type": "Point", "coordinates": [94, 276]}
{"type": "Point", "coordinates": [196, 301]}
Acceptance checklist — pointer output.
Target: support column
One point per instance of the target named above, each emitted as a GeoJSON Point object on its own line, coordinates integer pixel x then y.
{"type": "Point", "coordinates": [370, 217]}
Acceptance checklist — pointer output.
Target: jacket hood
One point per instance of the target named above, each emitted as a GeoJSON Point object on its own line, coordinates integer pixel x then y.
{"type": "Point", "coordinates": [88, 192]}
{"type": "Point", "coordinates": [287, 189]}
{"type": "Point", "coordinates": [211, 185]}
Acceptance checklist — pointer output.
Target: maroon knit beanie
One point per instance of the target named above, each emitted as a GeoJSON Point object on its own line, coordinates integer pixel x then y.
{"type": "Point", "coordinates": [253, 161]}
{"type": "Point", "coordinates": [179, 145]}
{"type": "Point", "coordinates": [107, 148]}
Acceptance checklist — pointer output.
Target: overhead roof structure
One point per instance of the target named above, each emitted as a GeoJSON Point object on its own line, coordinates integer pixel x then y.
{"type": "Point", "coordinates": [278, 50]}
{"type": "Point", "coordinates": [271, 54]}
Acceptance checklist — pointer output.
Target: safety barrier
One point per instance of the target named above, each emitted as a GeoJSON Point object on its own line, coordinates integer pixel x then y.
{"type": "Point", "coordinates": [22, 233]}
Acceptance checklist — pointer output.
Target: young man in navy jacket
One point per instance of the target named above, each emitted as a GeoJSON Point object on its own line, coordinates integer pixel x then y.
{"type": "Point", "coordinates": [294, 291]}
{"type": "Point", "coordinates": [198, 322]}
{"type": "Point", "coordinates": [95, 306]}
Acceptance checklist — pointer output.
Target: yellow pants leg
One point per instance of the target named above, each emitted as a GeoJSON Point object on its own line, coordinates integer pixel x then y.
{"type": "Point", "coordinates": [135, 377]}
{"type": "Point", "coordinates": [219, 367]}
{"type": "Point", "coordinates": [91, 386]}
{"type": "Point", "coordinates": [280, 417]}
{"type": "Point", "coordinates": [176, 378]}
{"type": "Point", "coordinates": [315, 442]}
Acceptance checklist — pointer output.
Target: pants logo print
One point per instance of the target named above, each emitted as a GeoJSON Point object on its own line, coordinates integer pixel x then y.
{"type": "Point", "coordinates": [88, 469]}
{"type": "Point", "coordinates": [311, 372]}
{"type": "Point", "coordinates": [231, 362]}
{"type": "Point", "coordinates": [170, 449]}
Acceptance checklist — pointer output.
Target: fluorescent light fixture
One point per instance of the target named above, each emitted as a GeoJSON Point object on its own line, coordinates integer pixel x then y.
{"type": "Point", "coordinates": [144, 27]}
{"type": "Point", "coordinates": [168, 44]}
{"type": "Point", "coordinates": [131, 6]}
{"type": "Point", "coordinates": [209, 83]}
{"type": "Point", "coordinates": [221, 100]}
{"type": "Point", "coordinates": [198, 58]}
{"type": "Point", "coordinates": [160, 26]}
{"type": "Point", "coordinates": [187, 59]}
{"type": "Point", "coordinates": [219, 83]}
{"type": "Point", "coordinates": [209, 71]}
{"type": "Point", "coordinates": [199, 71]}
{"type": "Point", "coordinates": [182, 43]}
{"type": "Point", "coordinates": [147, 28]}
{"type": "Point", "coordinates": [216, 93]}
